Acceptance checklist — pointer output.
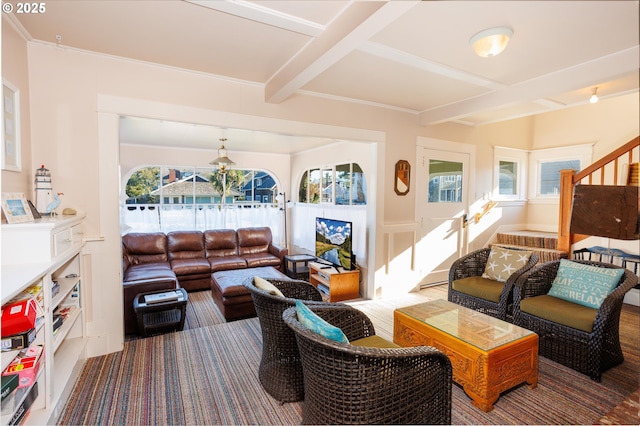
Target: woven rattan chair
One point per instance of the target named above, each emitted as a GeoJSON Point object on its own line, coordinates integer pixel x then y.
{"type": "Point", "coordinates": [590, 353]}
{"type": "Point", "coordinates": [473, 265]}
{"type": "Point", "coordinates": [280, 369]}
{"type": "Point", "coordinates": [346, 384]}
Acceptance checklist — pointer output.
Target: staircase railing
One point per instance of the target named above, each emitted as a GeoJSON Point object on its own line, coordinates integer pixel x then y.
{"type": "Point", "coordinates": [569, 178]}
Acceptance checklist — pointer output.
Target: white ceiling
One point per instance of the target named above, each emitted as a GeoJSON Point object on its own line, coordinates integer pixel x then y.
{"type": "Point", "coordinates": [408, 55]}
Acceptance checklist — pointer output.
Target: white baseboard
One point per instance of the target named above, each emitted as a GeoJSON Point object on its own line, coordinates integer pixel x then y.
{"type": "Point", "coordinates": [633, 297]}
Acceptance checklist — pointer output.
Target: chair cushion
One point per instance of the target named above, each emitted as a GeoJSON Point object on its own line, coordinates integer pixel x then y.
{"type": "Point", "coordinates": [374, 342]}
{"type": "Point", "coordinates": [560, 311]}
{"type": "Point", "coordinates": [586, 285]}
{"type": "Point", "coordinates": [313, 322]}
{"type": "Point", "coordinates": [503, 262]}
{"type": "Point", "coordinates": [265, 285]}
{"type": "Point", "coordinates": [483, 288]}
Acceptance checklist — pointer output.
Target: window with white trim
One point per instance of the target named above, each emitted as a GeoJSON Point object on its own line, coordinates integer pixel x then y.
{"type": "Point", "coordinates": [545, 166]}
{"type": "Point", "coordinates": [509, 175]}
{"type": "Point", "coordinates": [343, 184]}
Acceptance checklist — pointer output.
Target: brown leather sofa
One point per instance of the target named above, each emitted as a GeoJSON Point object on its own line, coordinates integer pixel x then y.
{"type": "Point", "coordinates": [187, 259]}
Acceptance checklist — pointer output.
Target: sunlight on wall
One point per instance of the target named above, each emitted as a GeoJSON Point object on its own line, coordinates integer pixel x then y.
{"type": "Point", "coordinates": [487, 221]}
{"type": "Point", "coordinates": [397, 275]}
{"type": "Point", "coordinates": [437, 246]}
{"type": "Point", "coordinates": [404, 271]}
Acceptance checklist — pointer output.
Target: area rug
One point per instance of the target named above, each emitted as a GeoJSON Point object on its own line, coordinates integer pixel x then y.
{"type": "Point", "coordinates": [208, 375]}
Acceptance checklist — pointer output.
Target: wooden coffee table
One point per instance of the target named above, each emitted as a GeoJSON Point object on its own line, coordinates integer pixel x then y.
{"type": "Point", "coordinates": [488, 356]}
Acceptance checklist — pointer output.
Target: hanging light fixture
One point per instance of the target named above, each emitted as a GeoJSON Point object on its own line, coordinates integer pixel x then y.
{"type": "Point", "coordinates": [491, 42]}
{"type": "Point", "coordinates": [222, 161]}
{"type": "Point", "coordinates": [594, 97]}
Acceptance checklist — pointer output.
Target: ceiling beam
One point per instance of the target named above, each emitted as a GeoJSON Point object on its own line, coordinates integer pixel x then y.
{"type": "Point", "coordinates": [357, 23]}
{"type": "Point", "coordinates": [258, 13]}
{"type": "Point", "coordinates": [565, 80]}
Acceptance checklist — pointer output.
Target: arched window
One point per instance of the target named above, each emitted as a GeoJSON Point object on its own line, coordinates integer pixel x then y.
{"type": "Point", "coordinates": [334, 192]}
{"type": "Point", "coordinates": [164, 198]}
{"type": "Point", "coordinates": [343, 184]}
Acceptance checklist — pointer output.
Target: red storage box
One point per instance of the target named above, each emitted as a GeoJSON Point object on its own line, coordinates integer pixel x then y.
{"type": "Point", "coordinates": [18, 317]}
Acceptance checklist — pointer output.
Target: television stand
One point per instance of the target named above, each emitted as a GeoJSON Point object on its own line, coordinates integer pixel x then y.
{"type": "Point", "coordinates": [336, 284]}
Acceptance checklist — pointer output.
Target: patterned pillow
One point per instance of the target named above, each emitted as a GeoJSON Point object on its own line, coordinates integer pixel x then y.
{"type": "Point", "coordinates": [503, 262]}
{"type": "Point", "coordinates": [265, 285]}
{"type": "Point", "coordinates": [585, 285]}
{"type": "Point", "coordinates": [313, 322]}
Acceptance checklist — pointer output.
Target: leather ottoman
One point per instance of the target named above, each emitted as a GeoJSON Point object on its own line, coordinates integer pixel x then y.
{"type": "Point", "coordinates": [231, 297]}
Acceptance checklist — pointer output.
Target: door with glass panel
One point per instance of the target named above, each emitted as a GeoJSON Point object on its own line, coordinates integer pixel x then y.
{"type": "Point", "coordinates": [442, 211]}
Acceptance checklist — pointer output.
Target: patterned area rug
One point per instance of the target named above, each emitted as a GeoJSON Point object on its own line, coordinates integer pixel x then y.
{"type": "Point", "coordinates": [208, 375]}
{"type": "Point", "coordinates": [627, 413]}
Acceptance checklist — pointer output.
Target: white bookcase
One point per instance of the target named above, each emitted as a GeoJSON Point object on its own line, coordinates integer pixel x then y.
{"type": "Point", "coordinates": [45, 252]}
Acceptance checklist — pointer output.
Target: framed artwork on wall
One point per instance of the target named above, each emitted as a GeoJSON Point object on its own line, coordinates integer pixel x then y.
{"type": "Point", "coordinates": [16, 208]}
{"type": "Point", "coordinates": [11, 159]}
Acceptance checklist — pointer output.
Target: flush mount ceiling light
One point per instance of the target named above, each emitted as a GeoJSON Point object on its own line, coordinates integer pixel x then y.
{"type": "Point", "coordinates": [491, 42]}
{"type": "Point", "coordinates": [222, 161]}
{"type": "Point", "coordinates": [594, 97]}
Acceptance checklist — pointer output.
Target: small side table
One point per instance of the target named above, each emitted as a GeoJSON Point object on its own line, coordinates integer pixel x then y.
{"type": "Point", "coordinates": [161, 317]}
{"type": "Point", "coordinates": [297, 265]}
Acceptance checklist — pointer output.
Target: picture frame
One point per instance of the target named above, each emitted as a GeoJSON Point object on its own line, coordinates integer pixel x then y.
{"type": "Point", "coordinates": [401, 184]}
{"type": "Point", "coordinates": [11, 144]}
{"type": "Point", "coordinates": [16, 208]}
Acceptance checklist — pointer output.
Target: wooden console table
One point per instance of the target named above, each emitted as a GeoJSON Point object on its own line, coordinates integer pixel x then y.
{"type": "Point", "coordinates": [336, 284]}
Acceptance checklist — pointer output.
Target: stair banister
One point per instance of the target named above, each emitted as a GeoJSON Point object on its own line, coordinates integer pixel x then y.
{"type": "Point", "coordinates": [569, 178]}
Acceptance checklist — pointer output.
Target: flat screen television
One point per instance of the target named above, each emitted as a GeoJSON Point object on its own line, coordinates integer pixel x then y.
{"type": "Point", "coordinates": [333, 243]}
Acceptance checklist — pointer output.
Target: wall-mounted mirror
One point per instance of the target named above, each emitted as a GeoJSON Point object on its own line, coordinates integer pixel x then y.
{"type": "Point", "coordinates": [403, 172]}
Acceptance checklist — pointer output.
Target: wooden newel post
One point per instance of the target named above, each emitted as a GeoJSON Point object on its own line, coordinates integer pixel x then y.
{"type": "Point", "coordinates": [564, 220]}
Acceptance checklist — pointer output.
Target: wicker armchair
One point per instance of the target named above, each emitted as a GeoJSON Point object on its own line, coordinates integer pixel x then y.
{"type": "Point", "coordinates": [473, 265]}
{"type": "Point", "coordinates": [280, 370]}
{"type": "Point", "coordinates": [590, 353]}
{"type": "Point", "coordinates": [346, 384]}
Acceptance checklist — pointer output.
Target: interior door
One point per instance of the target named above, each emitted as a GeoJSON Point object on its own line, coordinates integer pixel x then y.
{"type": "Point", "coordinates": [442, 211]}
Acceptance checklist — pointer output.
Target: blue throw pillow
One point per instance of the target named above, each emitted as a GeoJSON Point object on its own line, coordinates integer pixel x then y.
{"type": "Point", "coordinates": [585, 285]}
{"type": "Point", "coordinates": [313, 322]}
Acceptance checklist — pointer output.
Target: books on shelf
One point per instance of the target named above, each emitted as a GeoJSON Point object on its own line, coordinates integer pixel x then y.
{"type": "Point", "coordinates": [18, 341]}
{"type": "Point", "coordinates": [9, 384]}
{"type": "Point", "coordinates": [25, 407]}
{"type": "Point", "coordinates": [167, 296]}
{"type": "Point", "coordinates": [323, 288]}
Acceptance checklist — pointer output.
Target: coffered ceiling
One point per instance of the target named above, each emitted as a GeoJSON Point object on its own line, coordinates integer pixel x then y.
{"type": "Point", "coordinates": [412, 56]}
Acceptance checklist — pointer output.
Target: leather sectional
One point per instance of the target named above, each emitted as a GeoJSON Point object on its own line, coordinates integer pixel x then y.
{"type": "Point", "coordinates": [188, 259]}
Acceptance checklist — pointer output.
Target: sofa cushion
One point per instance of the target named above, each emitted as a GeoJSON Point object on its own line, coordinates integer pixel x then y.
{"type": "Point", "coordinates": [586, 285]}
{"type": "Point", "coordinates": [483, 288]}
{"type": "Point", "coordinates": [255, 260]}
{"type": "Point", "coordinates": [142, 247]}
{"type": "Point", "coordinates": [185, 245]}
{"type": "Point", "coordinates": [313, 322]}
{"type": "Point", "coordinates": [560, 311]}
{"type": "Point", "coordinates": [502, 263]}
{"type": "Point", "coordinates": [149, 271]}
{"type": "Point", "coordinates": [253, 240]}
{"type": "Point", "coordinates": [226, 263]}
{"type": "Point", "coordinates": [220, 243]}
{"type": "Point", "coordinates": [190, 266]}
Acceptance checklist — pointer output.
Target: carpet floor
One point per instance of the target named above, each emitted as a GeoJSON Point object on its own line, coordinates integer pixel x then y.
{"type": "Point", "coordinates": [208, 374]}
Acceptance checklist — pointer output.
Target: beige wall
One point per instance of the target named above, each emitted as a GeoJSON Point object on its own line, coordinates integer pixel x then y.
{"type": "Point", "coordinates": [15, 71]}
{"type": "Point", "coordinates": [76, 99]}
{"type": "Point", "coordinates": [607, 125]}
